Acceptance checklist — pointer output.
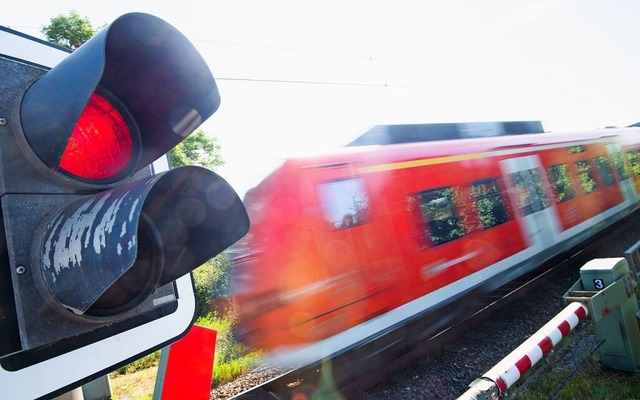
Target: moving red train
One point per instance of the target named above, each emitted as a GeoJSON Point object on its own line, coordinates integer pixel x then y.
{"type": "Point", "coordinates": [345, 246]}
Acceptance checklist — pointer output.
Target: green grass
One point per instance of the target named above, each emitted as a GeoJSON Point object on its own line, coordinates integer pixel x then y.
{"type": "Point", "coordinates": [137, 385]}
{"type": "Point", "coordinates": [143, 363]}
{"type": "Point", "coordinates": [228, 371]}
{"type": "Point", "coordinates": [591, 381]}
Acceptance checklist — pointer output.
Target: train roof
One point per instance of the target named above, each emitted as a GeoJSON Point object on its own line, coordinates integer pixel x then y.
{"type": "Point", "coordinates": [410, 133]}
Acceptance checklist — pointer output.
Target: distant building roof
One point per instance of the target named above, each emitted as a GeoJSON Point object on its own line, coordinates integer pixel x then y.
{"type": "Point", "coordinates": [407, 133]}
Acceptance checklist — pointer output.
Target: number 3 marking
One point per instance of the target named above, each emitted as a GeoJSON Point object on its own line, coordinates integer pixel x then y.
{"type": "Point", "coordinates": [598, 283]}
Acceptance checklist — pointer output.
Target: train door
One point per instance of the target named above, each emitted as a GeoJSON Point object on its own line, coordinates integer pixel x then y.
{"type": "Point", "coordinates": [528, 192]}
{"type": "Point", "coordinates": [622, 172]}
{"type": "Point", "coordinates": [368, 230]}
{"type": "Point", "coordinates": [380, 258]}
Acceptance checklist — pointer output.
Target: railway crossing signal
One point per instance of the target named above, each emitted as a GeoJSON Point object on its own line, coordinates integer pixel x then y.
{"type": "Point", "coordinates": [93, 242]}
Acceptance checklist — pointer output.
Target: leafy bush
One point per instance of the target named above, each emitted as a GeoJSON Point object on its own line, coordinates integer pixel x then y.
{"type": "Point", "coordinates": [212, 281]}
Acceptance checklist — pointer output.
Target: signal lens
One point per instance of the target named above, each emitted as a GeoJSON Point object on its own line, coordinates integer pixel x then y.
{"type": "Point", "coordinates": [101, 144]}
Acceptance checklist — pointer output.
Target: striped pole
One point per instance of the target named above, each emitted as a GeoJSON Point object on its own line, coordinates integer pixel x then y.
{"type": "Point", "coordinates": [504, 374]}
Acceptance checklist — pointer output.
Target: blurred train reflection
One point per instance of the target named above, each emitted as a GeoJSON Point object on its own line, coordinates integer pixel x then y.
{"type": "Point", "coordinates": [347, 245]}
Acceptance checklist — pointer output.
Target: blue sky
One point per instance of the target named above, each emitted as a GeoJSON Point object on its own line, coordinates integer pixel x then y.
{"type": "Point", "coordinates": [297, 77]}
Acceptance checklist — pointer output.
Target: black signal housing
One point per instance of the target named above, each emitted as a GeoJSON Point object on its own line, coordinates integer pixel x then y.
{"type": "Point", "coordinates": [90, 255]}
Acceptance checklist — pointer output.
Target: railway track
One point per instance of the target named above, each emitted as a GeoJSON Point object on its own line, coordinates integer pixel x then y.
{"type": "Point", "coordinates": [352, 373]}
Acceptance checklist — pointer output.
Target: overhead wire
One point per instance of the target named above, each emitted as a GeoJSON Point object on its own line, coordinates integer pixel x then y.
{"type": "Point", "coordinates": [325, 53]}
{"type": "Point", "coordinates": [352, 56]}
{"type": "Point", "coordinates": [362, 84]}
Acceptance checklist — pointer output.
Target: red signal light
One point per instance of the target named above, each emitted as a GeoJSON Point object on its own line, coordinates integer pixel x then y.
{"type": "Point", "coordinates": [101, 145]}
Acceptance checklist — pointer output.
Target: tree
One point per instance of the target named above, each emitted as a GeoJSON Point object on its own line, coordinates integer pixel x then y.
{"type": "Point", "coordinates": [69, 31]}
{"type": "Point", "coordinates": [213, 282]}
{"type": "Point", "coordinates": [197, 149]}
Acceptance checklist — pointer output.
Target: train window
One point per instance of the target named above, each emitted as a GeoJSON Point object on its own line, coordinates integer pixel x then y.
{"type": "Point", "coordinates": [577, 149]}
{"type": "Point", "coordinates": [489, 203]}
{"type": "Point", "coordinates": [438, 212]}
{"type": "Point", "coordinates": [561, 182]}
{"type": "Point", "coordinates": [585, 176]}
{"type": "Point", "coordinates": [529, 191]}
{"type": "Point", "coordinates": [344, 203]}
{"type": "Point", "coordinates": [634, 162]}
{"type": "Point", "coordinates": [621, 168]}
{"type": "Point", "coordinates": [602, 162]}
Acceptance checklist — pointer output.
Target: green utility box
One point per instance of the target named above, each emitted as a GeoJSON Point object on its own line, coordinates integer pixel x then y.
{"type": "Point", "coordinates": [608, 288]}
{"type": "Point", "coordinates": [602, 272]}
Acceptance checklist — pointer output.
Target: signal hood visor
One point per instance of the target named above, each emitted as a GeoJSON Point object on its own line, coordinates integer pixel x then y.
{"type": "Point", "coordinates": [105, 253]}
{"type": "Point", "coordinates": [149, 68]}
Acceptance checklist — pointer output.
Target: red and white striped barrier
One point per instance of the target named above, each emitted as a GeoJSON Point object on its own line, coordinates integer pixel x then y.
{"type": "Point", "coordinates": [519, 361]}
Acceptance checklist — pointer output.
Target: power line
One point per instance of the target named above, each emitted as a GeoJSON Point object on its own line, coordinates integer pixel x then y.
{"type": "Point", "coordinates": [324, 53]}
{"type": "Point", "coordinates": [279, 48]}
{"type": "Point", "coordinates": [394, 86]}
{"type": "Point", "coordinates": [303, 82]}
{"type": "Point", "coordinates": [361, 84]}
